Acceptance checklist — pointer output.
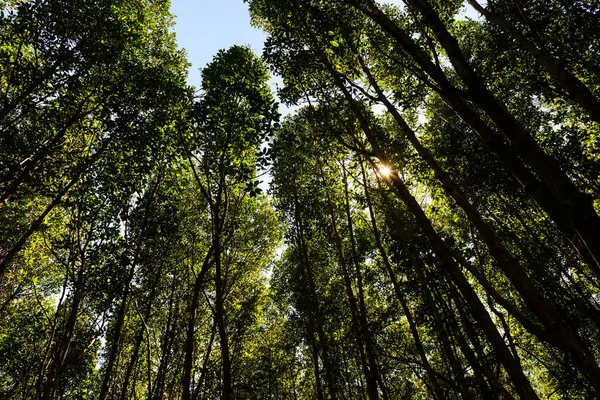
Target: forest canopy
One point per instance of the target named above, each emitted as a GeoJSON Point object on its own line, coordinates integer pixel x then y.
{"type": "Point", "coordinates": [424, 225]}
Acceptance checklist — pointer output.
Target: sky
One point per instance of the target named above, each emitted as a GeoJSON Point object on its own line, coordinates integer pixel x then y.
{"type": "Point", "coordinates": [205, 26]}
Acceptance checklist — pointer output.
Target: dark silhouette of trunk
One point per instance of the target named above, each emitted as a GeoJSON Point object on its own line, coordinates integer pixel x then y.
{"type": "Point", "coordinates": [352, 302]}
{"type": "Point", "coordinates": [475, 356]}
{"type": "Point", "coordinates": [204, 370]}
{"type": "Point", "coordinates": [188, 363]}
{"type": "Point", "coordinates": [116, 335]}
{"type": "Point", "coordinates": [315, 359]}
{"type": "Point", "coordinates": [460, 344]}
{"type": "Point", "coordinates": [571, 209]}
{"type": "Point", "coordinates": [547, 311]}
{"type": "Point", "coordinates": [314, 311]}
{"type": "Point", "coordinates": [440, 327]}
{"type": "Point", "coordinates": [576, 89]}
{"type": "Point", "coordinates": [227, 391]}
{"type": "Point", "coordinates": [443, 333]}
{"type": "Point", "coordinates": [58, 363]}
{"type": "Point", "coordinates": [474, 338]}
{"type": "Point", "coordinates": [139, 338]}
{"type": "Point", "coordinates": [436, 388]}
{"type": "Point", "coordinates": [444, 330]}
{"type": "Point", "coordinates": [450, 266]}
{"type": "Point", "coordinates": [44, 364]}
{"type": "Point", "coordinates": [114, 347]}
{"type": "Point", "coordinates": [168, 337]}
{"type": "Point", "coordinates": [367, 337]}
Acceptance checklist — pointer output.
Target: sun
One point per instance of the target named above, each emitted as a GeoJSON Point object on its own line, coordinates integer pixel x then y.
{"type": "Point", "coordinates": [385, 170]}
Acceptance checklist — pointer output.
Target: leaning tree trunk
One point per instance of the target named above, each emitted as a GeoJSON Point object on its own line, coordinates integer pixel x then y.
{"type": "Point", "coordinates": [437, 390]}
{"type": "Point", "coordinates": [362, 311]}
{"type": "Point", "coordinates": [558, 333]}
{"type": "Point", "coordinates": [448, 263]}
{"type": "Point", "coordinates": [352, 303]}
{"type": "Point", "coordinates": [571, 209]}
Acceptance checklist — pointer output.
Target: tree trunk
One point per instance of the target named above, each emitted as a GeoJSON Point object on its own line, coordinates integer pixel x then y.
{"type": "Point", "coordinates": [114, 347]}
{"type": "Point", "coordinates": [352, 303]}
{"type": "Point", "coordinates": [227, 391]}
{"type": "Point", "coordinates": [138, 341]}
{"type": "Point", "coordinates": [476, 355]}
{"type": "Point", "coordinates": [57, 366]}
{"type": "Point", "coordinates": [437, 391]}
{"type": "Point", "coordinates": [547, 311]}
{"type": "Point", "coordinates": [443, 252]}
{"type": "Point", "coordinates": [168, 337]}
{"type": "Point", "coordinates": [571, 209]}
{"type": "Point", "coordinates": [188, 363]}
{"type": "Point", "coordinates": [449, 265]}
{"type": "Point", "coordinates": [204, 371]}
{"type": "Point", "coordinates": [315, 359]}
{"type": "Point", "coordinates": [576, 89]}
{"type": "Point", "coordinates": [315, 309]}
{"type": "Point", "coordinates": [366, 334]}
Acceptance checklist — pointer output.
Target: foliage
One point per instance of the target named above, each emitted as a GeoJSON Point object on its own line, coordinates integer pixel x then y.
{"type": "Point", "coordinates": [430, 229]}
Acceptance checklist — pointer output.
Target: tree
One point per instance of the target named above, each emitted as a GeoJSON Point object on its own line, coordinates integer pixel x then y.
{"type": "Point", "coordinates": [428, 231]}
{"type": "Point", "coordinates": [235, 112]}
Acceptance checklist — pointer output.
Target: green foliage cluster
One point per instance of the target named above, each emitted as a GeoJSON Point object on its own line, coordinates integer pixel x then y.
{"type": "Point", "coordinates": [431, 230]}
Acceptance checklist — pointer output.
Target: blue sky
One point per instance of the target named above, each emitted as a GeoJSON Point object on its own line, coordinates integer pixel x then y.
{"type": "Point", "coordinates": [205, 26]}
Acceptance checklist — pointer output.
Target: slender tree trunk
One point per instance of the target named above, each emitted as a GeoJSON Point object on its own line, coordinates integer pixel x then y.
{"type": "Point", "coordinates": [227, 393]}
{"type": "Point", "coordinates": [437, 390]}
{"type": "Point", "coordinates": [576, 89]}
{"type": "Point", "coordinates": [546, 310]}
{"type": "Point", "coordinates": [367, 336]}
{"type": "Point", "coordinates": [571, 209]}
{"type": "Point", "coordinates": [168, 337]}
{"type": "Point", "coordinates": [114, 348]}
{"type": "Point", "coordinates": [57, 366]}
{"type": "Point", "coordinates": [315, 359]}
{"type": "Point", "coordinates": [444, 336]}
{"type": "Point", "coordinates": [188, 363]}
{"type": "Point", "coordinates": [354, 312]}
{"type": "Point", "coordinates": [443, 252]}
{"type": "Point", "coordinates": [315, 308]}
{"type": "Point", "coordinates": [43, 364]}
{"type": "Point", "coordinates": [139, 339]}
{"type": "Point", "coordinates": [204, 370]}
{"type": "Point", "coordinates": [476, 355]}
{"type": "Point", "coordinates": [449, 265]}
{"type": "Point", "coordinates": [441, 330]}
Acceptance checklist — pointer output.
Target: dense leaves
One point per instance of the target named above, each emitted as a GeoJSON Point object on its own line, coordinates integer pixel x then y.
{"type": "Point", "coordinates": [430, 230]}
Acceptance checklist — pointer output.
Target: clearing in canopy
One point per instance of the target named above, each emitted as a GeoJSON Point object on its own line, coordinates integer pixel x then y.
{"type": "Point", "coordinates": [422, 223]}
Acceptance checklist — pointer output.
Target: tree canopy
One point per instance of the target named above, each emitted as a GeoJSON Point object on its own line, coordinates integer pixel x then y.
{"type": "Point", "coordinates": [424, 225]}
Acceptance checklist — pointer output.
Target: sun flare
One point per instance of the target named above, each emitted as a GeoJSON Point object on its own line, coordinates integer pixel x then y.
{"type": "Point", "coordinates": [385, 170]}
